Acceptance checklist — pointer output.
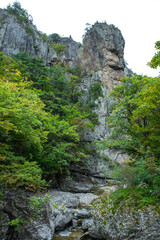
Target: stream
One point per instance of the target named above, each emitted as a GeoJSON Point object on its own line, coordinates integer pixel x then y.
{"type": "Point", "coordinates": [80, 211]}
{"type": "Point", "coordinates": [67, 235]}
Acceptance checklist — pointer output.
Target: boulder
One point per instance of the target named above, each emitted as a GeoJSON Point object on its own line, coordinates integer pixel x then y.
{"type": "Point", "coordinates": [16, 206]}
{"type": "Point", "coordinates": [127, 224]}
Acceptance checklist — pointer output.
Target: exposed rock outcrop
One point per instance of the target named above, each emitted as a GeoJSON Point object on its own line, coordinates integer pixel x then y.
{"type": "Point", "coordinates": [127, 224]}
{"type": "Point", "coordinates": [16, 206]}
{"type": "Point", "coordinates": [101, 58]}
{"type": "Point", "coordinates": [102, 50]}
{"type": "Point", "coordinates": [58, 212]}
{"type": "Point", "coordinates": [18, 37]}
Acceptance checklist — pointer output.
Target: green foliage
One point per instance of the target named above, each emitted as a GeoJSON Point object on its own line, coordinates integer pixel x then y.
{"type": "Point", "coordinates": [134, 173]}
{"type": "Point", "coordinates": [19, 116]}
{"type": "Point", "coordinates": [38, 204]}
{"type": "Point", "coordinates": [80, 44]}
{"type": "Point", "coordinates": [55, 37]}
{"type": "Point", "coordinates": [59, 48]}
{"type": "Point", "coordinates": [22, 128]}
{"type": "Point", "coordinates": [21, 15]}
{"type": "Point", "coordinates": [135, 116]}
{"type": "Point", "coordinates": [155, 62]}
{"type": "Point", "coordinates": [29, 30]}
{"type": "Point", "coordinates": [17, 223]}
{"type": "Point", "coordinates": [35, 71]}
{"type": "Point", "coordinates": [40, 124]}
{"type": "Point", "coordinates": [77, 71]}
{"type": "Point", "coordinates": [96, 91]}
{"type": "Point", "coordinates": [135, 129]}
{"type": "Point", "coordinates": [88, 109]}
{"type": "Point", "coordinates": [24, 174]}
{"type": "Point", "coordinates": [44, 36]}
{"type": "Point", "coordinates": [126, 199]}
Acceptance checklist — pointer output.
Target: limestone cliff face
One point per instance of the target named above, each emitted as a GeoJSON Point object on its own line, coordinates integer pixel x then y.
{"type": "Point", "coordinates": [18, 37]}
{"type": "Point", "coordinates": [103, 51]}
{"type": "Point", "coordinates": [101, 58]}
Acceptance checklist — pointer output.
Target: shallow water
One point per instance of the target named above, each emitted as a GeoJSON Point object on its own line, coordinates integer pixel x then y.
{"type": "Point", "coordinates": [67, 235]}
{"type": "Point", "coordinates": [86, 199]}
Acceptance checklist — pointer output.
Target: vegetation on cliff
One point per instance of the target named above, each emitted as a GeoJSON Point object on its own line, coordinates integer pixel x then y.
{"type": "Point", "coordinates": [134, 123]}
{"type": "Point", "coordinates": [40, 121]}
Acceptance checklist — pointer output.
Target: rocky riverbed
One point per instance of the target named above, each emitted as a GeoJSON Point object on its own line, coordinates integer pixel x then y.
{"type": "Point", "coordinates": [77, 218]}
{"type": "Point", "coordinates": [70, 216]}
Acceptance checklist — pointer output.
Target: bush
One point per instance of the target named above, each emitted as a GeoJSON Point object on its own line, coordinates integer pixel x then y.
{"type": "Point", "coordinates": [27, 175]}
{"type": "Point", "coordinates": [133, 173]}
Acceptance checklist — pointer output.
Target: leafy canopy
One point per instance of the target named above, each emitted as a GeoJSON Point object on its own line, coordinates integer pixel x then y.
{"type": "Point", "coordinates": [40, 121]}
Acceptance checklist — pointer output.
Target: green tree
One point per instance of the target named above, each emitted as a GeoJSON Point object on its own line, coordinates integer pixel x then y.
{"type": "Point", "coordinates": [32, 131]}
{"type": "Point", "coordinates": [155, 62]}
{"type": "Point", "coordinates": [134, 124]}
{"type": "Point", "coordinates": [20, 13]}
{"type": "Point", "coordinates": [22, 128]}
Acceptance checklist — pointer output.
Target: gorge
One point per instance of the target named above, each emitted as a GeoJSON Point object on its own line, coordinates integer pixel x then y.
{"type": "Point", "coordinates": [101, 64]}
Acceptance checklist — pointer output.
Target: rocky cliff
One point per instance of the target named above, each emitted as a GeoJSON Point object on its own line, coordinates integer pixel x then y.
{"type": "Point", "coordinates": [102, 50]}
{"type": "Point", "coordinates": [16, 36]}
{"type": "Point", "coordinates": [101, 58]}
{"type": "Point", "coordinates": [102, 61]}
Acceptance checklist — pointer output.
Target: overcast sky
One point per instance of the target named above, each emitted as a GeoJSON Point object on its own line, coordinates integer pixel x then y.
{"type": "Point", "coordinates": [138, 21]}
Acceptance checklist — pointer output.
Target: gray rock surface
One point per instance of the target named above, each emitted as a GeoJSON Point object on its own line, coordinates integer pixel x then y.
{"type": "Point", "coordinates": [126, 224]}
{"type": "Point", "coordinates": [77, 209]}
{"type": "Point", "coordinates": [16, 206]}
{"type": "Point", "coordinates": [63, 219]}
{"type": "Point", "coordinates": [102, 50]}
{"type": "Point", "coordinates": [70, 200]}
{"type": "Point", "coordinates": [15, 38]}
{"type": "Point", "coordinates": [4, 220]}
{"type": "Point", "coordinates": [101, 58]}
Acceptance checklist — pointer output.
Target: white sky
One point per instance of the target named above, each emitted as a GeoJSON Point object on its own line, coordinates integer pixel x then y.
{"type": "Point", "coordinates": [138, 21]}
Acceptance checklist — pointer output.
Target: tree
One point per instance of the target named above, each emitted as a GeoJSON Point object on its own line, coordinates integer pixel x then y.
{"type": "Point", "coordinates": [22, 129]}
{"type": "Point", "coordinates": [134, 124]}
{"type": "Point", "coordinates": [20, 13]}
{"type": "Point", "coordinates": [135, 115]}
{"type": "Point", "coordinates": [155, 62]}
{"type": "Point", "coordinates": [42, 136]}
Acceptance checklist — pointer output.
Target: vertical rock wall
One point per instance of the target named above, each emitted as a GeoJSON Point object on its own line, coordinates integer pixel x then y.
{"type": "Point", "coordinates": [102, 50]}
{"type": "Point", "coordinates": [100, 57]}
{"type": "Point", "coordinates": [18, 37]}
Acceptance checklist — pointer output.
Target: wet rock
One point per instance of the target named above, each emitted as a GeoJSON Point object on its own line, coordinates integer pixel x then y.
{"type": "Point", "coordinates": [82, 213]}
